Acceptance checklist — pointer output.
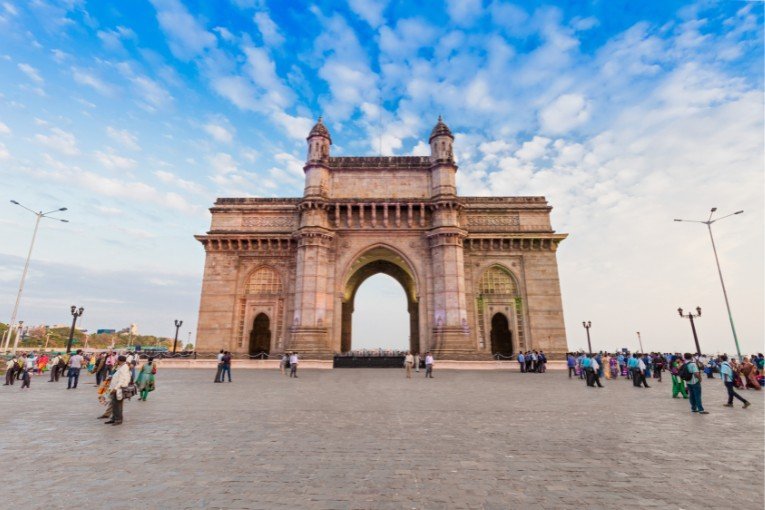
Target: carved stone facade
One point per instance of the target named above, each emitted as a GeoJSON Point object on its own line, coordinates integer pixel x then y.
{"type": "Point", "coordinates": [480, 273]}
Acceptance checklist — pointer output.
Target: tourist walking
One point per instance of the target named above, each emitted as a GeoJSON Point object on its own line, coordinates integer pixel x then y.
{"type": "Point", "coordinates": [640, 373]}
{"type": "Point", "coordinates": [428, 365]}
{"type": "Point", "coordinates": [283, 364]}
{"type": "Point", "coordinates": [693, 381]}
{"type": "Point", "coordinates": [408, 362]}
{"type": "Point", "coordinates": [10, 371]}
{"type": "Point", "coordinates": [75, 364]}
{"type": "Point", "coordinates": [726, 373]}
{"type": "Point", "coordinates": [219, 371]}
{"type": "Point", "coordinates": [522, 362]}
{"type": "Point", "coordinates": [226, 370]}
{"type": "Point", "coordinates": [678, 385]}
{"type": "Point", "coordinates": [55, 369]}
{"type": "Point", "coordinates": [596, 371]}
{"type": "Point", "coordinates": [571, 364]}
{"type": "Point", "coordinates": [26, 371]}
{"type": "Point", "coordinates": [120, 380]}
{"type": "Point", "coordinates": [145, 380]}
{"type": "Point", "coordinates": [294, 364]}
{"type": "Point", "coordinates": [417, 362]}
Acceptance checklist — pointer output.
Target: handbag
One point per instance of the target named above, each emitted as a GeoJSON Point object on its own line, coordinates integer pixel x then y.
{"type": "Point", "coordinates": [131, 390]}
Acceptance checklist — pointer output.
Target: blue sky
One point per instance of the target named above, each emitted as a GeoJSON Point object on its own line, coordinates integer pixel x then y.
{"type": "Point", "coordinates": [137, 114]}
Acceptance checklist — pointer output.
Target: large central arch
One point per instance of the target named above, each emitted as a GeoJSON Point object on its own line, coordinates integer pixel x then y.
{"type": "Point", "coordinates": [380, 259]}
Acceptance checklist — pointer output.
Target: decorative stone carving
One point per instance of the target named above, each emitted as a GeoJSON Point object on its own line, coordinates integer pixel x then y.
{"type": "Point", "coordinates": [508, 220]}
{"type": "Point", "coordinates": [269, 221]}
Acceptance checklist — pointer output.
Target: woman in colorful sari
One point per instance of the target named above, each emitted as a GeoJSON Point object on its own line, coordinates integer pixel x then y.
{"type": "Point", "coordinates": [613, 366]}
{"type": "Point", "coordinates": [606, 366]}
{"type": "Point", "coordinates": [748, 372]}
{"type": "Point", "coordinates": [678, 385]}
{"type": "Point", "coordinates": [42, 362]}
{"type": "Point", "coordinates": [145, 379]}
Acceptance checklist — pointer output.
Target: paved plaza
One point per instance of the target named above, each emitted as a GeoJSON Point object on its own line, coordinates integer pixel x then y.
{"type": "Point", "coordinates": [355, 438]}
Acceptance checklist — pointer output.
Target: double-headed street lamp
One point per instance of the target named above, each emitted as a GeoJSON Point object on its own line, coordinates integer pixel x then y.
{"type": "Point", "coordinates": [40, 215]}
{"type": "Point", "coordinates": [76, 313]}
{"type": "Point", "coordinates": [708, 223]}
{"type": "Point", "coordinates": [178, 325]}
{"type": "Point", "coordinates": [587, 325]}
{"type": "Point", "coordinates": [691, 316]}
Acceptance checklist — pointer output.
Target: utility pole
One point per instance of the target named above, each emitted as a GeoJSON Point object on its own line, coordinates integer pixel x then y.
{"type": "Point", "coordinates": [691, 316]}
{"type": "Point", "coordinates": [587, 325]}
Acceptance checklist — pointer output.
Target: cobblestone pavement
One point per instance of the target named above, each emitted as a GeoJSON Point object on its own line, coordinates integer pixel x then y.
{"type": "Point", "coordinates": [373, 439]}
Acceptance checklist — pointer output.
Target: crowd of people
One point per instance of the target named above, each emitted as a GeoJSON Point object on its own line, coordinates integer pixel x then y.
{"type": "Point", "coordinates": [532, 362]}
{"type": "Point", "coordinates": [686, 371]}
{"type": "Point", "coordinates": [117, 376]}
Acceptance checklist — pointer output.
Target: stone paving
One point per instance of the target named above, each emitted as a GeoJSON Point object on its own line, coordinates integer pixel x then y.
{"type": "Point", "coordinates": [348, 439]}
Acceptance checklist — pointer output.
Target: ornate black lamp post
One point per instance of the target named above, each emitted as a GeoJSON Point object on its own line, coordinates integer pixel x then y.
{"type": "Point", "coordinates": [76, 313]}
{"type": "Point", "coordinates": [691, 316]}
{"type": "Point", "coordinates": [178, 325]}
{"type": "Point", "coordinates": [587, 325]}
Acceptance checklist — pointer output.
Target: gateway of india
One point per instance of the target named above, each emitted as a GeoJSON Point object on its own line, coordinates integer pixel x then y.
{"type": "Point", "coordinates": [480, 273]}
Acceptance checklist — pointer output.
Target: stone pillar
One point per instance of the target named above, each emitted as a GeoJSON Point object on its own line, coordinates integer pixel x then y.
{"type": "Point", "coordinates": [313, 299]}
{"type": "Point", "coordinates": [346, 326]}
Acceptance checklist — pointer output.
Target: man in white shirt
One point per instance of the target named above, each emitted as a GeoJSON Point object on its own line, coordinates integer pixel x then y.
{"type": "Point", "coordinates": [120, 380]}
{"type": "Point", "coordinates": [595, 367]}
{"type": "Point", "coordinates": [640, 373]}
{"type": "Point", "coordinates": [293, 364]}
{"type": "Point", "coordinates": [55, 370]}
{"type": "Point", "coordinates": [219, 372]}
{"type": "Point", "coordinates": [417, 362]}
{"type": "Point", "coordinates": [408, 362]}
{"type": "Point", "coordinates": [428, 365]}
{"type": "Point", "coordinates": [10, 371]}
{"type": "Point", "coordinates": [75, 364]}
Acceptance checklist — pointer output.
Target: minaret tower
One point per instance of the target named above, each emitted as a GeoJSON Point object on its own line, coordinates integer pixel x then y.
{"type": "Point", "coordinates": [450, 327]}
{"type": "Point", "coordinates": [313, 296]}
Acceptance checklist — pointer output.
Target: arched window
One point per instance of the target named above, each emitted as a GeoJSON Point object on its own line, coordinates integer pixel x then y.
{"type": "Point", "coordinates": [496, 280]}
{"type": "Point", "coordinates": [264, 281]}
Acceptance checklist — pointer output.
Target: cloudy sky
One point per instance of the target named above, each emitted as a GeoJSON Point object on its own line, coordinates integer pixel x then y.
{"type": "Point", "coordinates": [136, 114]}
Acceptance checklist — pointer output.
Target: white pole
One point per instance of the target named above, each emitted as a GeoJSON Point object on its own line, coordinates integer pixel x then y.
{"type": "Point", "coordinates": [725, 293]}
{"type": "Point", "coordinates": [21, 284]}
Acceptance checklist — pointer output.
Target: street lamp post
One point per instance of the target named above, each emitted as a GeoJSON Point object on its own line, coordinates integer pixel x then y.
{"type": "Point", "coordinates": [640, 341]}
{"type": "Point", "coordinates": [587, 325]}
{"type": "Point", "coordinates": [40, 215]}
{"type": "Point", "coordinates": [178, 325]}
{"type": "Point", "coordinates": [76, 313]}
{"type": "Point", "coordinates": [708, 223]}
{"type": "Point", "coordinates": [691, 316]}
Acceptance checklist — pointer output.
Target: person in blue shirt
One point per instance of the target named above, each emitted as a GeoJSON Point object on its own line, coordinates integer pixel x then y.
{"type": "Point", "coordinates": [587, 369]}
{"type": "Point", "coordinates": [571, 363]}
{"type": "Point", "coordinates": [522, 362]}
{"type": "Point", "coordinates": [726, 373]}
{"type": "Point", "coordinates": [632, 365]}
{"type": "Point", "coordinates": [694, 385]}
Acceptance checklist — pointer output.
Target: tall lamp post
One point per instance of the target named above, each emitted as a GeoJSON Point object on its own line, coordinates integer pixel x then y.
{"type": "Point", "coordinates": [691, 316]}
{"type": "Point", "coordinates": [76, 313]}
{"type": "Point", "coordinates": [640, 341]}
{"type": "Point", "coordinates": [708, 223]}
{"type": "Point", "coordinates": [40, 215]}
{"type": "Point", "coordinates": [178, 325]}
{"type": "Point", "coordinates": [587, 325]}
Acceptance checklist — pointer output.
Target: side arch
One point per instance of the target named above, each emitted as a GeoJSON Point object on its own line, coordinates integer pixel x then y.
{"type": "Point", "coordinates": [498, 290]}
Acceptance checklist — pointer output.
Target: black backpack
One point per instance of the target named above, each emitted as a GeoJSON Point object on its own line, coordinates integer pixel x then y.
{"type": "Point", "coordinates": [684, 373]}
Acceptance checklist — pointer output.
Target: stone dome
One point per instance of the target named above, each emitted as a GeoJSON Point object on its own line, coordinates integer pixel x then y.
{"type": "Point", "coordinates": [441, 129]}
{"type": "Point", "coordinates": [320, 130]}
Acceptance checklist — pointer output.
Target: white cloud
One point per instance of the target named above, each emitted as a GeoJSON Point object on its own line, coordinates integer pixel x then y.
{"type": "Point", "coordinates": [59, 140]}
{"type": "Point", "coordinates": [150, 93]}
{"type": "Point", "coordinates": [187, 37]}
{"type": "Point", "coordinates": [268, 29]}
{"type": "Point", "coordinates": [4, 154]}
{"type": "Point", "coordinates": [87, 78]}
{"type": "Point", "coordinates": [564, 114]}
{"type": "Point", "coordinates": [370, 11]}
{"type": "Point", "coordinates": [114, 161]}
{"type": "Point", "coordinates": [124, 137]}
{"type": "Point", "coordinates": [32, 73]}
{"type": "Point", "coordinates": [112, 39]}
{"type": "Point", "coordinates": [219, 132]}
{"type": "Point", "coordinates": [464, 12]}
{"type": "Point", "coordinates": [171, 178]}
{"type": "Point", "coordinates": [238, 90]}
{"type": "Point", "coordinates": [4, 129]}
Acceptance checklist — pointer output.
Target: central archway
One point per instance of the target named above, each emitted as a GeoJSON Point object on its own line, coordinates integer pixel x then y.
{"type": "Point", "coordinates": [260, 337]}
{"type": "Point", "coordinates": [375, 261]}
